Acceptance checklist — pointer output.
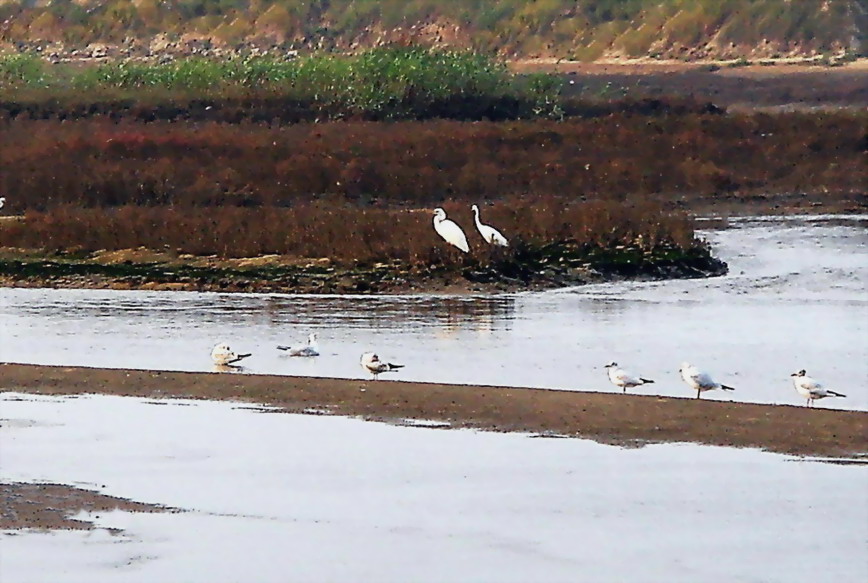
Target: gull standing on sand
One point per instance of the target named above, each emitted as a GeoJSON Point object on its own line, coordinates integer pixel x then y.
{"type": "Point", "coordinates": [449, 230]}
{"type": "Point", "coordinates": [622, 378]}
{"type": "Point", "coordinates": [222, 355]}
{"type": "Point", "coordinates": [699, 380]}
{"type": "Point", "coordinates": [490, 234]}
{"type": "Point", "coordinates": [372, 364]}
{"type": "Point", "coordinates": [310, 349]}
{"type": "Point", "coordinates": [811, 389]}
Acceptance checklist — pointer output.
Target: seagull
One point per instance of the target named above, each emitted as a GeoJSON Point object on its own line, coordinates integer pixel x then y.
{"type": "Point", "coordinates": [811, 389]}
{"type": "Point", "coordinates": [699, 380]}
{"type": "Point", "coordinates": [311, 349]}
{"type": "Point", "coordinates": [622, 378]}
{"type": "Point", "coordinates": [372, 364]}
{"type": "Point", "coordinates": [223, 355]}
{"type": "Point", "coordinates": [450, 231]}
{"type": "Point", "coordinates": [490, 234]}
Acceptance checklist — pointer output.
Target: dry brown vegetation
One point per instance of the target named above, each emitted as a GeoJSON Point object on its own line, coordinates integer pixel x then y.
{"type": "Point", "coordinates": [100, 162]}
{"type": "Point", "coordinates": [348, 234]}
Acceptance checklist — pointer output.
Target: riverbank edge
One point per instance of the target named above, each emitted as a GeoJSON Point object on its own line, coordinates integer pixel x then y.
{"type": "Point", "coordinates": [274, 274]}
{"type": "Point", "coordinates": [627, 420]}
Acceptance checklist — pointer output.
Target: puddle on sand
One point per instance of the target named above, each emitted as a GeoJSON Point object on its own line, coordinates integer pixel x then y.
{"type": "Point", "coordinates": [330, 498]}
{"type": "Point", "coordinates": [795, 298]}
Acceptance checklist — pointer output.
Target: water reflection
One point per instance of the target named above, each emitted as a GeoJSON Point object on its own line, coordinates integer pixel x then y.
{"type": "Point", "coordinates": [389, 312]}
{"type": "Point", "coordinates": [795, 298]}
{"type": "Point", "coordinates": [228, 368]}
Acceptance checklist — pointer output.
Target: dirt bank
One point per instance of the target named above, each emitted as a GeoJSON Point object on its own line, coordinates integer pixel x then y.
{"type": "Point", "coordinates": [550, 267]}
{"type": "Point", "coordinates": [605, 417]}
{"type": "Point", "coordinates": [737, 85]}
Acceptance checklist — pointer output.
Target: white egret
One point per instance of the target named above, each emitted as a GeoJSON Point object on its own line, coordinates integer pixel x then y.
{"type": "Point", "coordinates": [309, 349]}
{"type": "Point", "coordinates": [699, 380]}
{"type": "Point", "coordinates": [372, 364]}
{"type": "Point", "coordinates": [449, 230]}
{"type": "Point", "coordinates": [223, 355]}
{"type": "Point", "coordinates": [622, 378]}
{"type": "Point", "coordinates": [490, 234]}
{"type": "Point", "coordinates": [811, 389]}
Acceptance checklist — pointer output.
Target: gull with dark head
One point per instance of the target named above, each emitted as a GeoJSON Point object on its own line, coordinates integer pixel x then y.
{"type": "Point", "coordinates": [811, 389]}
{"type": "Point", "coordinates": [222, 355]}
{"type": "Point", "coordinates": [491, 235]}
{"type": "Point", "coordinates": [699, 380]}
{"type": "Point", "coordinates": [449, 230]}
{"type": "Point", "coordinates": [372, 364]}
{"type": "Point", "coordinates": [309, 349]}
{"type": "Point", "coordinates": [622, 378]}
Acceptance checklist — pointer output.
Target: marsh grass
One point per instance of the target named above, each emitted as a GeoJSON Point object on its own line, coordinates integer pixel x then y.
{"type": "Point", "coordinates": [392, 82]}
{"type": "Point", "coordinates": [100, 162]}
{"type": "Point", "coordinates": [350, 235]}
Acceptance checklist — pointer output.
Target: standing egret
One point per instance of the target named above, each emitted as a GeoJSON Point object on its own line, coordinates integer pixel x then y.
{"type": "Point", "coordinates": [222, 355]}
{"type": "Point", "coordinates": [699, 380]}
{"type": "Point", "coordinates": [811, 389]}
{"type": "Point", "coordinates": [490, 234]}
{"type": "Point", "coordinates": [372, 364]}
{"type": "Point", "coordinates": [450, 231]}
{"type": "Point", "coordinates": [621, 378]}
{"type": "Point", "coordinates": [309, 349]}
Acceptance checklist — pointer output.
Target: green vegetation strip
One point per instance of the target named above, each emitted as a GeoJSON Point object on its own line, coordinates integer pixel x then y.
{"type": "Point", "coordinates": [382, 83]}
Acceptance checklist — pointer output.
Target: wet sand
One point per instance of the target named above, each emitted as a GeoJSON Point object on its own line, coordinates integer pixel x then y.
{"type": "Point", "coordinates": [630, 420]}
{"type": "Point", "coordinates": [52, 506]}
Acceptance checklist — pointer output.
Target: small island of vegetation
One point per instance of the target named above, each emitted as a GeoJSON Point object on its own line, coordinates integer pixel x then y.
{"type": "Point", "coordinates": [320, 173]}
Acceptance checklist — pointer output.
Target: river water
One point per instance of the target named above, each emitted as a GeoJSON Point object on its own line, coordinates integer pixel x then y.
{"type": "Point", "coordinates": [278, 497]}
{"type": "Point", "coordinates": [795, 298]}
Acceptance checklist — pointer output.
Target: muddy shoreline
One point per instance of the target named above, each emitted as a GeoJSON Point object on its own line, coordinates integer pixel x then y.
{"type": "Point", "coordinates": [141, 269]}
{"type": "Point", "coordinates": [52, 506]}
{"type": "Point", "coordinates": [626, 420]}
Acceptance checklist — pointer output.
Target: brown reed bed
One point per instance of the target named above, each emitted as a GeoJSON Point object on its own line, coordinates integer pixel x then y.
{"type": "Point", "coordinates": [349, 234]}
{"type": "Point", "coordinates": [676, 158]}
{"type": "Point", "coordinates": [336, 246]}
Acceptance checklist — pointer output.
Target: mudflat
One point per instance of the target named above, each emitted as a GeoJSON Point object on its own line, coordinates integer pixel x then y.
{"type": "Point", "coordinates": [622, 419]}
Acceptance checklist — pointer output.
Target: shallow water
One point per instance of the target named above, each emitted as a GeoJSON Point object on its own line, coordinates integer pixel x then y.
{"type": "Point", "coordinates": [276, 497]}
{"type": "Point", "coordinates": [795, 298]}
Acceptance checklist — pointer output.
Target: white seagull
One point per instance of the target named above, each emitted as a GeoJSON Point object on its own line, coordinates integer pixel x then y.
{"type": "Point", "coordinates": [699, 380]}
{"type": "Point", "coordinates": [622, 378]}
{"type": "Point", "coordinates": [372, 364]}
{"type": "Point", "coordinates": [449, 230]}
{"type": "Point", "coordinates": [310, 349]}
{"type": "Point", "coordinates": [222, 355]}
{"type": "Point", "coordinates": [490, 234]}
{"type": "Point", "coordinates": [811, 389]}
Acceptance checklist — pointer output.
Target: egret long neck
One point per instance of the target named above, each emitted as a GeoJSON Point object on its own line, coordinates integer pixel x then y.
{"type": "Point", "coordinates": [476, 217]}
